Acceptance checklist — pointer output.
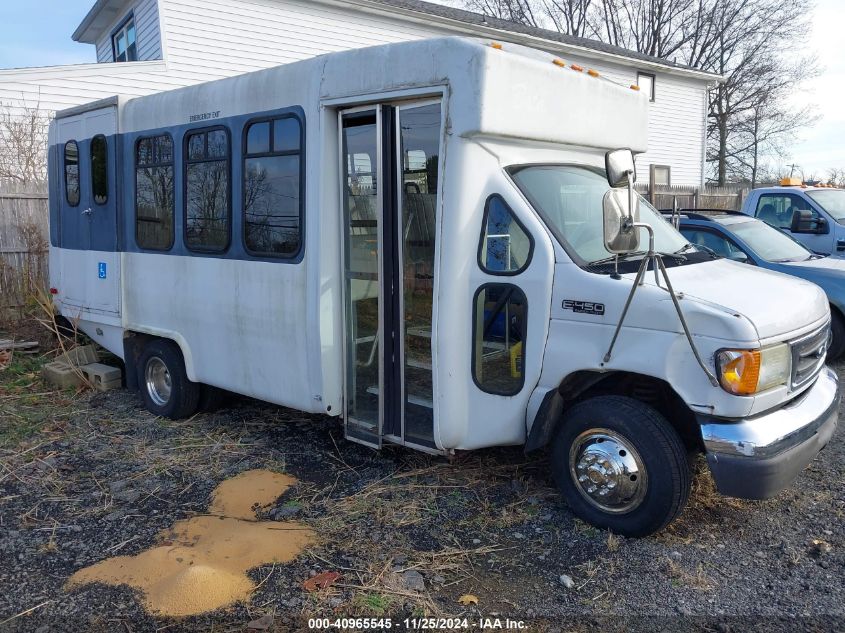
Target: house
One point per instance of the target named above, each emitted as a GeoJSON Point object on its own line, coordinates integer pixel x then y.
{"type": "Point", "coordinates": [145, 46]}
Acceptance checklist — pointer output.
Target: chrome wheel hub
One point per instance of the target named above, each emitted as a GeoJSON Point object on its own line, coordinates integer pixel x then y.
{"type": "Point", "coordinates": [158, 380]}
{"type": "Point", "coordinates": [608, 471]}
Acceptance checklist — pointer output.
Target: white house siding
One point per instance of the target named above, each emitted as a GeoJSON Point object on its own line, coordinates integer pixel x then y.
{"type": "Point", "coordinates": [147, 33]}
{"type": "Point", "coordinates": [54, 88]}
{"type": "Point", "coordinates": [239, 36]}
{"type": "Point", "coordinates": [677, 131]}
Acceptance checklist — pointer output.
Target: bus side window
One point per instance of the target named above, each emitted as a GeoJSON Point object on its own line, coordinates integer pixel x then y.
{"type": "Point", "coordinates": [207, 193]}
{"type": "Point", "coordinates": [99, 169]}
{"type": "Point", "coordinates": [272, 178]}
{"type": "Point", "coordinates": [72, 173]}
{"type": "Point", "coordinates": [506, 246]}
{"type": "Point", "coordinates": [500, 320]}
{"type": "Point", "coordinates": [154, 192]}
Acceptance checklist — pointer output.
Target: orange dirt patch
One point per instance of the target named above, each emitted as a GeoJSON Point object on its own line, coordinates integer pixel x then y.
{"type": "Point", "coordinates": [204, 563]}
{"type": "Point", "coordinates": [236, 497]}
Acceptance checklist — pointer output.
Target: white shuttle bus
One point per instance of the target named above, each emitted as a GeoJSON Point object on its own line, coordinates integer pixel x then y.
{"type": "Point", "coordinates": [435, 241]}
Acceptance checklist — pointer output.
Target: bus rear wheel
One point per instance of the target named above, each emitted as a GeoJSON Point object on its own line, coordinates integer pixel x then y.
{"type": "Point", "coordinates": [165, 387]}
{"type": "Point", "coordinates": [621, 466]}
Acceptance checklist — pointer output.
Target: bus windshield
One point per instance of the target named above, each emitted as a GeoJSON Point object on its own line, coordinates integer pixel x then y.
{"type": "Point", "coordinates": [569, 199]}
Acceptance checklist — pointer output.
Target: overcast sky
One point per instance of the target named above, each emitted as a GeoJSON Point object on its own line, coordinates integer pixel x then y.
{"type": "Point", "coordinates": [37, 33]}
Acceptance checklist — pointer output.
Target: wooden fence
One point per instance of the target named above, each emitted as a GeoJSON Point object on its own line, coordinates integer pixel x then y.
{"type": "Point", "coordinates": [24, 241]}
{"type": "Point", "coordinates": [664, 197]}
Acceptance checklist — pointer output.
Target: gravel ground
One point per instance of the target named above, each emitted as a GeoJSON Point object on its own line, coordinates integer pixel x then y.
{"type": "Point", "coordinates": [88, 476]}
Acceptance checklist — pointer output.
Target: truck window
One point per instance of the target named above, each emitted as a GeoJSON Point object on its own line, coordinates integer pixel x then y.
{"type": "Point", "coordinates": [777, 208]}
{"type": "Point", "coordinates": [154, 192]}
{"type": "Point", "coordinates": [99, 169]}
{"type": "Point", "coordinates": [709, 240]}
{"type": "Point", "coordinates": [207, 193]}
{"type": "Point", "coordinates": [499, 339]}
{"type": "Point", "coordinates": [831, 200]}
{"type": "Point", "coordinates": [506, 246]}
{"type": "Point", "coordinates": [272, 180]}
{"type": "Point", "coordinates": [72, 173]}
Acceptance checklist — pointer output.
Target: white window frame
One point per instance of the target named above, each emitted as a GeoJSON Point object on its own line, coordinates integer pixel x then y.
{"type": "Point", "coordinates": [123, 30]}
{"type": "Point", "coordinates": [652, 176]}
{"type": "Point", "coordinates": [653, 78]}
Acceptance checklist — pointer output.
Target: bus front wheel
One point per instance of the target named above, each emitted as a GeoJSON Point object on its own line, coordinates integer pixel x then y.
{"type": "Point", "coordinates": [620, 465]}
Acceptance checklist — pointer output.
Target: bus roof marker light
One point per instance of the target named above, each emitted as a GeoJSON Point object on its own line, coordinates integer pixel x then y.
{"type": "Point", "coordinates": [576, 68]}
{"type": "Point", "coordinates": [635, 87]}
{"type": "Point", "coordinates": [559, 62]}
{"type": "Point", "coordinates": [496, 45]}
{"type": "Point", "coordinates": [593, 73]}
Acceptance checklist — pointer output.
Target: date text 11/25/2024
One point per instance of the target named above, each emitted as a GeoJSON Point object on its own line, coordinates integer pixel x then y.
{"type": "Point", "coordinates": [417, 624]}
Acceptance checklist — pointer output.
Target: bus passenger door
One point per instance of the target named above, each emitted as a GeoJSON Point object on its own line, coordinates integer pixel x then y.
{"type": "Point", "coordinates": [89, 258]}
{"type": "Point", "coordinates": [390, 165]}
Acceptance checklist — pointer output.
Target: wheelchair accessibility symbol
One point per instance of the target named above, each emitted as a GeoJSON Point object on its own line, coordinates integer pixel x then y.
{"type": "Point", "coordinates": [101, 270]}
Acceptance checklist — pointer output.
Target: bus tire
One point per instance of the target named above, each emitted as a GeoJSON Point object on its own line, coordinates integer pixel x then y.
{"type": "Point", "coordinates": [621, 466]}
{"type": "Point", "coordinates": [165, 387]}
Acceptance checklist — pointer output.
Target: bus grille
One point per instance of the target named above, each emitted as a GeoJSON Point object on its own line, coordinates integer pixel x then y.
{"type": "Point", "coordinates": [808, 356]}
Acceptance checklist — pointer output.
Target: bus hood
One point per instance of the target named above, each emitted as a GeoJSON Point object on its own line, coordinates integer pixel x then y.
{"type": "Point", "coordinates": [776, 304]}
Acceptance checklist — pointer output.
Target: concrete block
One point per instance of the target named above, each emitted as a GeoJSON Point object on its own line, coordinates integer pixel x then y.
{"type": "Point", "coordinates": [61, 375]}
{"type": "Point", "coordinates": [102, 377]}
{"type": "Point", "coordinates": [79, 356]}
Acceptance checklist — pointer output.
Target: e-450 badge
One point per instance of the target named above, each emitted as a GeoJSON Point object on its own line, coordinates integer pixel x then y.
{"type": "Point", "coordinates": [583, 307]}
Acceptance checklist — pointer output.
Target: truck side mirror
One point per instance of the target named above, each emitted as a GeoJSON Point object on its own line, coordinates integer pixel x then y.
{"type": "Point", "coordinates": [619, 165]}
{"type": "Point", "coordinates": [620, 234]}
{"type": "Point", "coordinates": [738, 256]}
{"type": "Point", "coordinates": [804, 222]}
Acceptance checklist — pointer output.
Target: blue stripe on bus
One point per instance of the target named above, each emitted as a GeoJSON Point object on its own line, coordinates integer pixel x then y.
{"type": "Point", "coordinates": [119, 235]}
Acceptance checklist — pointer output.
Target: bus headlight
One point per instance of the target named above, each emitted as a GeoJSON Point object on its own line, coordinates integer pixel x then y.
{"type": "Point", "coordinates": [745, 372]}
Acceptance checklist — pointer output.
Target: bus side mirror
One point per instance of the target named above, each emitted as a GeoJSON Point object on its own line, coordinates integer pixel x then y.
{"type": "Point", "coordinates": [619, 164]}
{"type": "Point", "coordinates": [620, 234]}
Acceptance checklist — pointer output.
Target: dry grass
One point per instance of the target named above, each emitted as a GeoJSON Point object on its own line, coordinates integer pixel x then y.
{"type": "Point", "coordinates": [460, 497]}
{"type": "Point", "coordinates": [694, 580]}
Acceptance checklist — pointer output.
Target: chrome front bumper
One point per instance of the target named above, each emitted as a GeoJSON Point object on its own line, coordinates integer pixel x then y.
{"type": "Point", "coordinates": [756, 457]}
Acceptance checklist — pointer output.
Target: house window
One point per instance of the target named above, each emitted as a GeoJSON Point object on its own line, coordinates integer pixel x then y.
{"type": "Point", "coordinates": [123, 42]}
{"type": "Point", "coordinates": [154, 192]}
{"type": "Point", "coordinates": [271, 187]}
{"type": "Point", "coordinates": [661, 175]}
{"type": "Point", "coordinates": [646, 83]}
{"type": "Point", "coordinates": [207, 208]}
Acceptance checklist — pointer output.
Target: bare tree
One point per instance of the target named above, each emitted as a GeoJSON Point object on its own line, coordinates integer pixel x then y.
{"type": "Point", "coordinates": [23, 142]}
{"type": "Point", "coordinates": [836, 176]}
{"type": "Point", "coordinates": [570, 16]}
{"type": "Point", "coordinates": [519, 11]}
{"type": "Point", "coordinates": [754, 44]}
{"type": "Point", "coordinates": [655, 27]}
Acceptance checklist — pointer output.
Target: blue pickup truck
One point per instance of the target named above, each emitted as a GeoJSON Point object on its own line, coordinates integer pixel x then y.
{"type": "Point", "coordinates": [815, 216]}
